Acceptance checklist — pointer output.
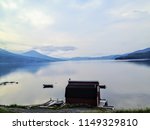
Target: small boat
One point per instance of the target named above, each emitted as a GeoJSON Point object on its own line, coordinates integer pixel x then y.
{"type": "Point", "coordinates": [51, 103]}
{"type": "Point", "coordinates": [5, 83]}
{"type": "Point", "coordinates": [102, 86]}
{"type": "Point", "coordinates": [104, 104]}
{"type": "Point", "coordinates": [47, 85]}
{"type": "Point", "coordinates": [56, 103]}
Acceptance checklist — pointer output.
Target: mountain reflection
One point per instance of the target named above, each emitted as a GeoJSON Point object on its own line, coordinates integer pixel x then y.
{"type": "Point", "coordinates": [142, 62]}
{"type": "Point", "coordinates": [6, 69]}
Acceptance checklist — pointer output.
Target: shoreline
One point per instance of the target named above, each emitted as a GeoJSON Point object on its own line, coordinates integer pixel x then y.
{"type": "Point", "coordinates": [67, 109]}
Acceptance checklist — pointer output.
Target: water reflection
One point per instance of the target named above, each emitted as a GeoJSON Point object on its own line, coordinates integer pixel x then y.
{"type": "Point", "coordinates": [9, 68]}
{"type": "Point", "coordinates": [142, 62]}
{"type": "Point", "coordinates": [129, 100]}
{"type": "Point", "coordinates": [127, 83]}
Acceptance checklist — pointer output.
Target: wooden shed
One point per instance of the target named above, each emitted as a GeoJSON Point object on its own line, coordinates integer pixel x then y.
{"type": "Point", "coordinates": [83, 92]}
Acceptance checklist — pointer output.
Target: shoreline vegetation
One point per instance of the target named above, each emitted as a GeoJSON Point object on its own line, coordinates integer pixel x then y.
{"type": "Point", "coordinates": [66, 109]}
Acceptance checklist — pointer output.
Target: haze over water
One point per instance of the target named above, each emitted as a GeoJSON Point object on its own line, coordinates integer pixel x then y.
{"type": "Point", "coordinates": [128, 84]}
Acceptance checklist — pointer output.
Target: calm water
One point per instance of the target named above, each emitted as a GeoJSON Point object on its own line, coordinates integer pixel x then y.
{"type": "Point", "coordinates": [128, 83]}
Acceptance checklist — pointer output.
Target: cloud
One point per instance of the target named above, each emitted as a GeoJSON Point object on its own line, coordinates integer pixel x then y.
{"type": "Point", "coordinates": [56, 51]}
{"type": "Point", "coordinates": [131, 14]}
{"type": "Point", "coordinates": [137, 14]}
{"type": "Point", "coordinates": [130, 10]}
{"type": "Point", "coordinates": [10, 4]}
{"type": "Point", "coordinates": [10, 36]}
{"type": "Point", "coordinates": [93, 26]}
{"type": "Point", "coordinates": [55, 48]}
{"type": "Point", "coordinates": [36, 18]}
{"type": "Point", "coordinates": [13, 45]}
{"type": "Point", "coordinates": [88, 4]}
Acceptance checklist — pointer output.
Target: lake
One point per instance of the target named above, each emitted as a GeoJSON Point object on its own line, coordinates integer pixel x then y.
{"type": "Point", "coordinates": [128, 83]}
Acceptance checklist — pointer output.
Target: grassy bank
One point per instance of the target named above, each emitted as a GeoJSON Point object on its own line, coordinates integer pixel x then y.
{"type": "Point", "coordinates": [66, 109]}
{"type": "Point", "coordinates": [140, 110]}
{"type": "Point", "coordinates": [5, 110]}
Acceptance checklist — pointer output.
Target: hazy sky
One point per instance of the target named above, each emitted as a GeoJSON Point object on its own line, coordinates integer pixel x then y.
{"type": "Point", "coordinates": [66, 28]}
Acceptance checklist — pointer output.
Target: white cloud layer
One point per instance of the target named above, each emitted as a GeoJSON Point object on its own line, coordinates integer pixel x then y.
{"type": "Point", "coordinates": [56, 51]}
{"type": "Point", "coordinates": [10, 4]}
{"type": "Point", "coordinates": [93, 26]}
{"type": "Point", "coordinates": [88, 4]}
{"type": "Point", "coordinates": [37, 18]}
{"type": "Point", "coordinates": [51, 48]}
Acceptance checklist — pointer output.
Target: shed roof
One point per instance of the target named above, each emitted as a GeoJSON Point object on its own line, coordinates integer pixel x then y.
{"type": "Point", "coordinates": [81, 86]}
{"type": "Point", "coordinates": [84, 83]}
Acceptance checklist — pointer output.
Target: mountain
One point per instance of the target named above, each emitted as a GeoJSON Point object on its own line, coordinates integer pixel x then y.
{"type": "Point", "coordinates": [36, 54]}
{"type": "Point", "coordinates": [34, 57]}
{"type": "Point", "coordinates": [110, 57]}
{"type": "Point", "coordinates": [9, 57]}
{"type": "Point", "coordinates": [140, 54]}
{"type": "Point", "coordinates": [142, 51]}
{"type": "Point", "coordinates": [4, 52]}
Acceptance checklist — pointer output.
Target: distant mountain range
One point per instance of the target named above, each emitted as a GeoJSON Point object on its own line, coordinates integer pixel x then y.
{"type": "Point", "coordinates": [36, 54]}
{"type": "Point", "coordinates": [28, 57]}
{"type": "Point", "coordinates": [140, 54]}
{"type": "Point", "coordinates": [35, 57]}
{"type": "Point", "coordinates": [110, 57]}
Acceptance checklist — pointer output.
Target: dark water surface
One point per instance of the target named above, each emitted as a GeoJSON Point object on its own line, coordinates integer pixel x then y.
{"type": "Point", "coordinates": [128, 83]}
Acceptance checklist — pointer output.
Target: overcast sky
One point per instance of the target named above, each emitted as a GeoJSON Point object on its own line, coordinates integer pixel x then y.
{"type": "Point", "coordinates": [66, 28]}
